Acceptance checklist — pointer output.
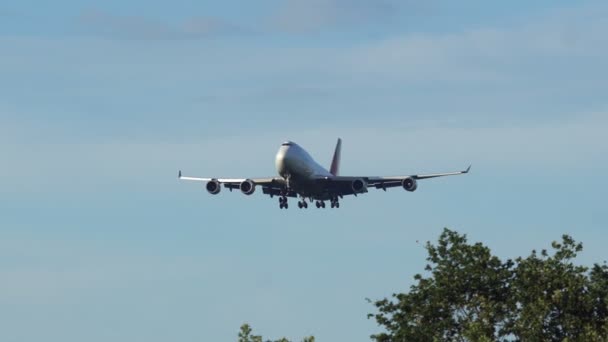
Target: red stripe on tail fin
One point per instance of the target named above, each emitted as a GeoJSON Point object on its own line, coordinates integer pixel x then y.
{"type": "Point", "coordinates": [335, 162]}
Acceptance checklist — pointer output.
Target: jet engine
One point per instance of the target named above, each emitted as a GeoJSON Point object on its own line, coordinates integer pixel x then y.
{"type": "Point", "coordinates": [359, 186]}
{"type": "Point", "coordinates": [409, 184]}
{"type": "Point", "coordinates": [248, 187]}
{"type": "Point", "coordinates": [213, 187]}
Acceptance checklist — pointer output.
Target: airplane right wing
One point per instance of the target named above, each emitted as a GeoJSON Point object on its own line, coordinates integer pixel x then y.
{"type": "Point", "coordinates": [271, 186]}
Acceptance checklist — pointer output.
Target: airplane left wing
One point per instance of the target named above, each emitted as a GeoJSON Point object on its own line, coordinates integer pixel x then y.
{"type": "Point", "coordinates": [350, 185]}
{"type": "Point", "coordinates": [408, 182]}
{"type": "Point", "coordinates": [417, 177]}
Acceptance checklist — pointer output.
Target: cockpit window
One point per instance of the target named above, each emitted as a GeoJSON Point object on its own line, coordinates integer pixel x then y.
{"type": "Point", "coordinates": [288, 143]}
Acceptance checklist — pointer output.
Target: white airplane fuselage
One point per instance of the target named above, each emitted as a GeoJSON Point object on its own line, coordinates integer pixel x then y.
{"type": "Point", "coordinates": [298, 168]}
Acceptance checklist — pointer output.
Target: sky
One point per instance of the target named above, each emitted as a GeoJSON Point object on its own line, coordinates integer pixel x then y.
{"type": "Point", "coordinates": [102, 102]}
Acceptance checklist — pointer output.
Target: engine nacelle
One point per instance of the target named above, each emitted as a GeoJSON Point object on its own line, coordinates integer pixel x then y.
{"type": "Point", "coordinates": [409, 184]}
{"type": "Point", "coordinates": [359, 186]}
{"type": "Point", "coordinates": [213, 187]}
{"type": "Point", "coordinates": [248, 187]}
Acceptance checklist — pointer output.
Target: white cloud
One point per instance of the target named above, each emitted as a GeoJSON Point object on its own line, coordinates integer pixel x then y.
{"type": "Point", "coordinates": [139, 27]}
{"type": "Point", "coordinates": [290, 16]}
{"type": "Point", "coordinates": [566, 48]}
{"type": "Point", "coordinates": [315, 15]}
{"type": "Point", "coordinates": [487, 53]}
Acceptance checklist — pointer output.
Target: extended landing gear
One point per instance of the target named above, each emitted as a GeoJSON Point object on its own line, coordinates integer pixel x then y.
{"type": "Point", "coordinates": [335, 203]}
{"type": "Point", "coordinates": [283, 202]}
{"type": "Point", "coordinates": [302, 204]}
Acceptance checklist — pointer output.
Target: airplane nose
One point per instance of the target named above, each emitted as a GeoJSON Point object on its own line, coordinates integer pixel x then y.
{"type": "Point", "coordinates": [280, 160]}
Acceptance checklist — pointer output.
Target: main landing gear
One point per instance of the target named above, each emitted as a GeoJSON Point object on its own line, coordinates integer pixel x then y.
{"type": "Point", "coordinates": [283, 202]}
{"type": "Point", "coordinates": [302, 204]}
{"type": "Point", "coordinates": [284, 205]}
{"type": "Point", "coordinates": [333, 203]}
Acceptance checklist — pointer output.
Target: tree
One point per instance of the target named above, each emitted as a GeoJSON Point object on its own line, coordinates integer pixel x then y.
{"type": "Point", "coordinates": [556, 299]}
{"type": "Point", "coordinates": [471, 295]}
{"type": "Point", "coordinates": [245, 335]}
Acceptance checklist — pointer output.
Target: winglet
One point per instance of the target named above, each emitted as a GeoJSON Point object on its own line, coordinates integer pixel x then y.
{"type": "Point", "coordinates": [335, 162]}
{"type": "Point", "coordinates": [179, 174]}
{"type": "Point", "coordinates": [467, 170]}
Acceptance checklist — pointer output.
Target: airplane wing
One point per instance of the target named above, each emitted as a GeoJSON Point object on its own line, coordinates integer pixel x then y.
{"type": "Point", "coordinates": [223, 180]}
{"type": "Point", "coordinates": [345, 185]}
{"type": "Point", "coordinates": [270, 186]}
{"type": "Point", "coordinates": [418, 177]}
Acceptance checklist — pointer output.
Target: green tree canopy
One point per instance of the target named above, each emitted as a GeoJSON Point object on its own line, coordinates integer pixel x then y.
{"type": "Point", "coordinates": [246, 335]}
{"type": "Point", "coordinates": [468, 294]}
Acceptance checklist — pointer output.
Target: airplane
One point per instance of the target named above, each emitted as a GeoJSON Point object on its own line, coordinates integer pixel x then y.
{"type": "Point", "coordinates": [300, 176]}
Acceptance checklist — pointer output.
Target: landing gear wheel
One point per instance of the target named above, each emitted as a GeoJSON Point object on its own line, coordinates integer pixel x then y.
{"type": "Point", "coordinates": [322, 204]}
{"type": "Point", "coordinates": [283, 202]}
{"type": "Point", "coordinates": [318, 204]}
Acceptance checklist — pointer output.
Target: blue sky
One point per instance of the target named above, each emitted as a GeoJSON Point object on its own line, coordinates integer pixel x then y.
{"type": "Point", "coordinates": [102, 102]}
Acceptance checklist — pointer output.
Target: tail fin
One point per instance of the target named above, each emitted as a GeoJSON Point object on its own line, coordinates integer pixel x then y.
{"type": "Point", "coordinates": [335, 162]}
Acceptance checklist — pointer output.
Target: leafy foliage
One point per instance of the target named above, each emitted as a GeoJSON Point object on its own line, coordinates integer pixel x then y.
{"type": "Point", "coordinates": [471, 295]}
{"type": "Point", "coordinates": [246, 335]}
